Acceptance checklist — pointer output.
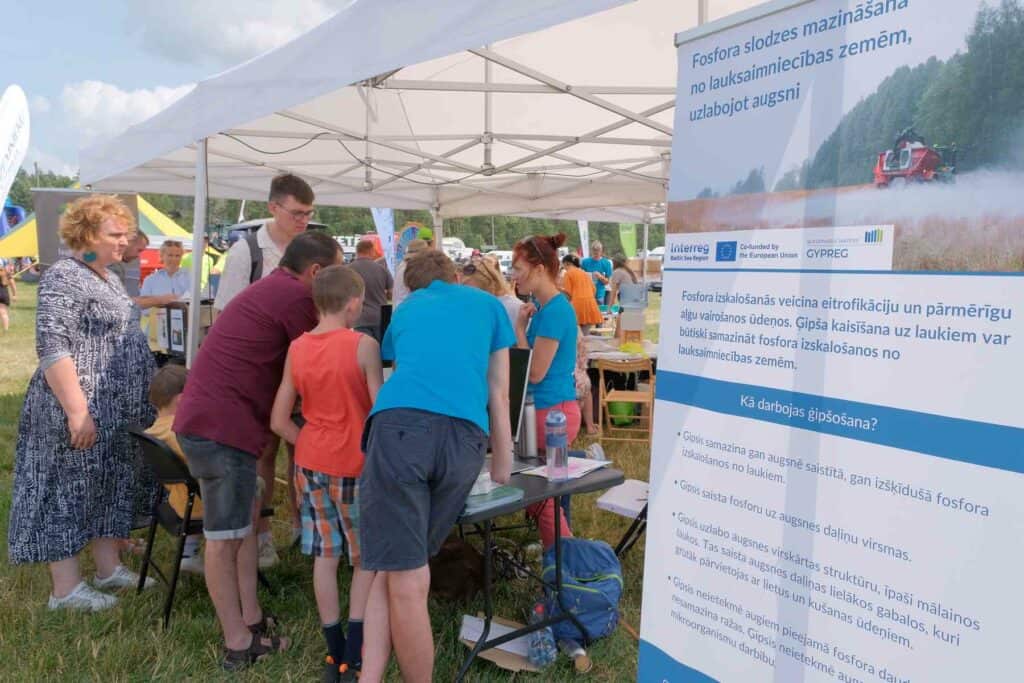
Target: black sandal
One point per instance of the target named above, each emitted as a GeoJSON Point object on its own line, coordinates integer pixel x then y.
{"type": "Point", "coordinates": [267, 623]}
{"type": "Point", "coordinates": [236, 660]}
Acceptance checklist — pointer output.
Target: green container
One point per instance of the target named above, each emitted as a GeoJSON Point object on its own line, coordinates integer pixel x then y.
{"type": "Point", "coordinates": [622, 413]}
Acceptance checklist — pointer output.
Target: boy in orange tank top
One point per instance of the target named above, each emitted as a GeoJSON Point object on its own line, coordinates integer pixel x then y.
{"type": "Point", "coordinates": [337, 372]}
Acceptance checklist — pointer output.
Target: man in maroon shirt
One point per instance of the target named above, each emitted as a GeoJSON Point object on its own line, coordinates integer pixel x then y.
{"type": "Point", "coordinates": [223, 425]}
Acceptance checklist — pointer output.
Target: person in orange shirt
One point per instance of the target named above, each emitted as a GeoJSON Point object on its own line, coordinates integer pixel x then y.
{"type": "Point", "coordinates": [580, 287]}
{"type": "Point", "coordinates": [337, 372]}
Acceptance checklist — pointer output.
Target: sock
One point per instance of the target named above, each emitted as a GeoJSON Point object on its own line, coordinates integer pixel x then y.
{"type": "Point", "coordinates": [191, 546]}
{"type": "Point", "coordinates": [354, 644]}
{"type": "Point", "coordinates": [335, 641]}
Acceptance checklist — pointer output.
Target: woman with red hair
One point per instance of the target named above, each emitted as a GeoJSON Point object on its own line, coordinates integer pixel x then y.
{"type": "Point", "coordinates": [549, 328]}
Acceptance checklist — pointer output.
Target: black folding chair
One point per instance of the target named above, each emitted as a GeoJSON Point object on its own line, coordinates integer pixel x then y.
{"type": "Point", "coordinates": [169, 470]}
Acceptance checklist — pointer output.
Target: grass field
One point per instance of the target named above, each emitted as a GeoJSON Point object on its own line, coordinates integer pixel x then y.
{"type": "Point", "coordinates": [128, 644]}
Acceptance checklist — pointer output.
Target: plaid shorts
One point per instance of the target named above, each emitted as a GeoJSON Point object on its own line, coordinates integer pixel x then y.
{"type": "Point", "coordinates": [329, 507]}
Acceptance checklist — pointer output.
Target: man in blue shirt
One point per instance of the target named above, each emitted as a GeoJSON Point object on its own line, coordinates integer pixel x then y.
{"type": "Point", "coordinates": [169, 283]}
{"type": "Point", "coordinates": [425, 442]}
{"type": "Point", "coordinates": [600, 269]}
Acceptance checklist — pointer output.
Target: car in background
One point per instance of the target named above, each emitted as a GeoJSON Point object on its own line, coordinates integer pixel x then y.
{"type": "Point", "coordinates": [456, 249]}
{"type": "Point", "coordinates": [504, 260]}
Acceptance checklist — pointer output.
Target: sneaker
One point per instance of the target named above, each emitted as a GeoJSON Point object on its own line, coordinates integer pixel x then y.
{"type": "Point", "coordinates": [347, 675]}
{"type": "Point", "coordinates": [268, 555]}
{"type": "Point", "coordinates": [122, 578]}
{"type": "Point", "coordinates": [331, 673]}
{"type": "Point", "coordinates": [193, 564]}
{"type": "Point", "coordinates": [83, 597]}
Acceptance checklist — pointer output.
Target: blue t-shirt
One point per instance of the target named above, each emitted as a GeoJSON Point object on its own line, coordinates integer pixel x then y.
{"type": "Point", "coordinates": [603, 266]}
{"type": "Point", "coordinates": [555, 320]}
{"type": "Point", "coordinates": [441, 339]}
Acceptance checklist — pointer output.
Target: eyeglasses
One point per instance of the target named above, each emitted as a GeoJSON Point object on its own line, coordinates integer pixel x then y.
{"type": "Point", "coordinates": [298, 214]}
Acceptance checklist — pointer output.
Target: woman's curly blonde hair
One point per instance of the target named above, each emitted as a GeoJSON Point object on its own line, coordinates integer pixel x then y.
{"type": "Point", "coordinates": [80, 223]}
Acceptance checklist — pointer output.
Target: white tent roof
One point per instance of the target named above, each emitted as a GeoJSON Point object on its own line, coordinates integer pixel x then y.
{"type": "Point", "coordinates": [552, 122]}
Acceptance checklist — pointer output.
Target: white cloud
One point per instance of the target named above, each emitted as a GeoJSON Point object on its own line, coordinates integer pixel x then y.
{"type": "Point", "coordinates": [38, 104]}
{"type": "Point", "coordinates": [98, 111]}
{"type": "Point", "coordinates": [226, 32]}
{"type": "Point", "coordinates": [47, 162]}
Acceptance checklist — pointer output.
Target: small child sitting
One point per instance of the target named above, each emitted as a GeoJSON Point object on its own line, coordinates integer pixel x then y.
{"type": "Point", "coordinates": [164, 391]}
{"type": "Point", "coordinates": [337, 373]}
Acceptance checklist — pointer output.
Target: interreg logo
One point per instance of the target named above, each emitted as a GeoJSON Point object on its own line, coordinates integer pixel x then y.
{"type": "Point", "coordinates": [725, 251]}
{"type": "Point", "coordinates": [873, 236]}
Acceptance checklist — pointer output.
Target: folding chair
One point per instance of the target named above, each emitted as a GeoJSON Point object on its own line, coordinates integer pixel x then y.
{"type": "Point", "coordinates": [169, 469]}
{"type": "Point", "coordinates": [645, 399]}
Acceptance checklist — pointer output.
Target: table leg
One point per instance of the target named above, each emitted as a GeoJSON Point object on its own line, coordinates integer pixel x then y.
{"type": "Point", "coordinates": [488, 605]}
{"type": "Point", "coordinates": [558, 572]}
{"type": "Point", "coordinates": [632, 535]}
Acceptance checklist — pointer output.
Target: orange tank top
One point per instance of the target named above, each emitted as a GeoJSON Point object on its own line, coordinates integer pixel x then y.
{"type": "Point", "coordinates": [335, 402]}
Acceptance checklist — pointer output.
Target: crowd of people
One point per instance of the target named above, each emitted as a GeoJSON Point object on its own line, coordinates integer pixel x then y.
{"type": "Point", "coordinates": [380, 470]}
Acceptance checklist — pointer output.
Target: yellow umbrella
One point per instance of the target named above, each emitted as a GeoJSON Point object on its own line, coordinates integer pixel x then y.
{"type": "Point", "coordinates": [22, 240]}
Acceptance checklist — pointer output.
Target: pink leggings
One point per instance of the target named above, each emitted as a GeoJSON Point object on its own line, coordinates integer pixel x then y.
{"type": "Point", "coordinates": [544, 512]}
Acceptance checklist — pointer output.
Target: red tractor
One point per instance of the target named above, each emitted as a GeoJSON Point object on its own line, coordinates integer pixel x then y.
{"type": "Point", "coordinates": [911, 160]}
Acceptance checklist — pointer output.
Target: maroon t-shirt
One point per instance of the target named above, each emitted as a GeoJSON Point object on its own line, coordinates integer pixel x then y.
{"type": "Point", "coordinates": [233, 381]}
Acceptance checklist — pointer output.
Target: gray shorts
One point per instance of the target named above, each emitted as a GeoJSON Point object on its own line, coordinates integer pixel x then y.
{"type": "Point", "coordinates": [227, 484]}
{"type": "Point", "coordinates": [419, 469]}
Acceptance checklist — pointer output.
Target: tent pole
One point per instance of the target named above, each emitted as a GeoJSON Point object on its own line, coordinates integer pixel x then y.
{"type": "Point", "coordinates": [198, 253]}
{"type": "Point", "coordinates": [438, 225]}
{"type": "Point", "coordinates": [702, 12]}
{"type": "Point", "coordinates": [643, 262]}
{"type": "Point", "coordinates": [488, 133]}
{"type": "Point", "coordinates": [368, 166]}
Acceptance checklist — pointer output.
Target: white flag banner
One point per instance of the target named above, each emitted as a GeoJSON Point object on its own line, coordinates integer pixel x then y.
{"type": "Point", "coordinates": [14, 133]}
{"type": "Point", "coordinates": [584, 237]}
{"type": "Point", "coordinates": [384, 221]}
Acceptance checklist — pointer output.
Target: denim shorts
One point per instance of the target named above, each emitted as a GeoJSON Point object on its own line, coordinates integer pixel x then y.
{"type": "Point", "coordinates": [419, 469]}
{"type": "Point", "coordinates": [227, 484]}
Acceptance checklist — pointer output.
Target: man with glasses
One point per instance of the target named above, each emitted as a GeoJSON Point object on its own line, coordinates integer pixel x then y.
{"type": "Point", "coordinates": [291, 205]}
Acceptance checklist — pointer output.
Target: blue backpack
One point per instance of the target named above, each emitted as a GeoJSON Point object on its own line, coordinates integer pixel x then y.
{"type": "Point", "coordinates": [591, 588]}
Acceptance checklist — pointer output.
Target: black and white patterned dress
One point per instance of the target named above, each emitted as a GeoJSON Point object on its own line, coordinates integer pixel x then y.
{"type": "Point", "coordinates": [63, 498]}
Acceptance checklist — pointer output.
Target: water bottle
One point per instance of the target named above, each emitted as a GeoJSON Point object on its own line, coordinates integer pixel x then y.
{"type": "Point", "coordinates": [542, 650]}
{"type": "Point", "coordinates": [530, 426]}
{"type": "Point", "coordinates": [556, 440]}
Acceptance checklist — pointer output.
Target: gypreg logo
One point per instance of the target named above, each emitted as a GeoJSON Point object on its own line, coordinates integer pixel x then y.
{"type": "Point", "coordinates": [873, 236]}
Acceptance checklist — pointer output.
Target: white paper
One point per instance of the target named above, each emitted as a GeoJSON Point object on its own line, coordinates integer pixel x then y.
{"type": "Point", "coordinates": [473, 628]}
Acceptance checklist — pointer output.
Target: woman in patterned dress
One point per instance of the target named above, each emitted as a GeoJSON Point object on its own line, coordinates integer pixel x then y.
{"type": "Point", "coordinates": [76, 468]}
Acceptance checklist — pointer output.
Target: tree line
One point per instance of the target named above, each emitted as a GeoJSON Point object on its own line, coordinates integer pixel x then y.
{"type": "Point", "coordinates": [973, 102]}
{"type": "Point", "coordinates": [477, 231]}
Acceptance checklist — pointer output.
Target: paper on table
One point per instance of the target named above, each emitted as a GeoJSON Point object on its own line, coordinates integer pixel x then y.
{"type": "Point", "coordinates": [578, 467]}
{"type": "Point", "coordinates": [473, 628]}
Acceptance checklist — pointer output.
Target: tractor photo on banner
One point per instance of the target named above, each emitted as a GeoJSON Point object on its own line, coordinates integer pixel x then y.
{"type": "Point", "coordinates": [836, 471]}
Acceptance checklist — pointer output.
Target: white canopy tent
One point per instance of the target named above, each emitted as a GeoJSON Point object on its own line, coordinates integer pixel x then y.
{"type": "Point", "coordinates": [399, 104]}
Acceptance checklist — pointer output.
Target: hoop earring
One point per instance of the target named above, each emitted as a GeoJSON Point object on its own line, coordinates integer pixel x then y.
{"type": "Point", "coordinates": [89, 256]}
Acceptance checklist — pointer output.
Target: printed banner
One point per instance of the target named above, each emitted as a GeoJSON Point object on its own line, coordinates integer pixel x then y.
{"type": "Point", "coordinates": [14, 137]}
{"type": "Point", "coordinates": [627, 236]}
{"type": "Point", "coordinates": [584, 227]}
{"type": "Point", "coordinates": [836, 475]}
{"type": "Point", "coordinates": [384, 222]}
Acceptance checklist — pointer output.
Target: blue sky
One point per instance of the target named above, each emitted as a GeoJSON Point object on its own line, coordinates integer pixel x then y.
{"type": "Point", "coordinates": [92, 69]}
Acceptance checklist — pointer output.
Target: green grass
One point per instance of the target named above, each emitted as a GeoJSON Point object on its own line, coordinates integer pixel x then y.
{"type": "Point", "coordinates": [128, 643]}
